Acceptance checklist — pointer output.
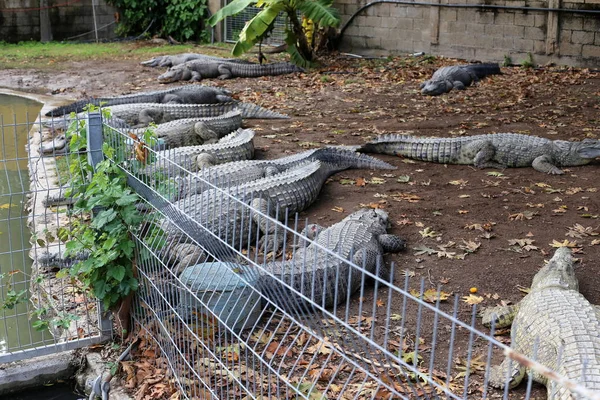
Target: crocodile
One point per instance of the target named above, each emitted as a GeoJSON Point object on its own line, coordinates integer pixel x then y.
{"type": "Point", "coordinates": [236, 146]}
{"type": "Point", "coordinates": [236, 173]}
{"type": "Point", "coordinates": [555, 325]}
{"type": "Point", "coordinates": [197, 70]}
{"type": "Point", "coordinates": [195, 131]}
{"type": "Point", "coordinates": [327, 280]}
{"type": "Point", "coordinates": [137, 115]}
{"type": "Point", "coordinates": [499, 150]}
{"type": "Point", "coordinates": [188, 94]}
{"type": "Point", "coordinates": [219, 210]}
{"type": "Point", "coordinates": [457, 77]}
{"type": "Point", "coordinates": [171, 60]}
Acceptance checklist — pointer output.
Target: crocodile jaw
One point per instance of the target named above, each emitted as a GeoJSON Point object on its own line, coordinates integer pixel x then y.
{"type": "Point", "coordinates": [172, 75]}
{"type": "Point", "coordinates": [558, 272]}
{"type": "Point", "coordinates": [589, 149]}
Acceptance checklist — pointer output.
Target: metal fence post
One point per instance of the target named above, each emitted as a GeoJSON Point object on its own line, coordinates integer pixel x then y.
{"type": "Point", "coordinates": [95, 140]}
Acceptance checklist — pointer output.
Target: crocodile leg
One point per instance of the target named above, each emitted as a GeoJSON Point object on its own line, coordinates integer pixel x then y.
{"type": "Point", "coordinates": [498, 374]}
{"type": "Point", "coordinates": [501, 315]}
{"type": "Point", "coordinates": [544, 164]}
{"type": "Point", "coordinates": [203, 131]}
{"type": "Point", "coordinates": [205, 160]}
{"type": "Point", "coordinates": [391, 243]}
{"type": "Point", "coordinates": [224, 71]}
{"type": "Point", "coordinates": [483, 158]}
{"type": "Point", "coordinates": [193, 76]}
{"type": "Point", "coordinates": [367, 258]}
{"type": "Point", "coordinates": [269, 241]}
{"type": "Point", "coordinates": [458, 85]}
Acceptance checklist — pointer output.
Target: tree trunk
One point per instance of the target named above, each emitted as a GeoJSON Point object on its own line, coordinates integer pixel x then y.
{"type": "Point", "coordinates": [302, 44]}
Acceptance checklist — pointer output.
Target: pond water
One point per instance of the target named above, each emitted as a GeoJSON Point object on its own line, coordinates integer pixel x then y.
{"type": "Point", "coordinates": [16, 116]}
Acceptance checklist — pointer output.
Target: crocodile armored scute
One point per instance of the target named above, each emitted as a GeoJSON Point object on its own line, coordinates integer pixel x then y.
{"type": "Point", "coordinates": [188, 94]}
{"type": "Point", "coordinates": [360, 238]}
{"type": "Point", "coordinates": [171, 60]}
{"type": "Point", "coordinates": [195, 131]}
{"type": "Point", "coordinates": [236, 146]}
{"type": "Point", "coordinates": [457, 77]}
{"type": "Point", "coordinates": [555, 325]}
{"type": "Point", "coordinates": [197, 70]}
{"type": "Point", "coordinates": [498, 150]}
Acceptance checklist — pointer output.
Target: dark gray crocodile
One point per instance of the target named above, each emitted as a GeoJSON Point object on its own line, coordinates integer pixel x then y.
{"type": "Point", "coordinates": [176, 59]}
{"type": "Point", "coordinates": [197, 70]}
{"type": "Point", "coordinates": [236, 146]}
{"type": "Point", "coordinates": [195, 131]}
{"type": "Point", "coordinates": [457, 77]}
{"type": "Point", "coordinates": [555, 325]}
{"type": "Point", "coordinates": [138, 115]}
{"type": "Point", "coordinates": [360, 238]}
{"type": "Point", "coordinates": [188, 94]}
{"type": "Point", "coordinates": [498, 150]}
{"type": "Point", "coordinates": [240, 172]}
{"type": "Point", "coordinates": [220, 211]}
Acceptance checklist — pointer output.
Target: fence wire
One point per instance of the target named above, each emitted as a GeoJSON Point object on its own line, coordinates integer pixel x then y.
{"type": "Point", "coordinates": [40, 313]}
{"type": "Point", "coordinates": [236, 319]}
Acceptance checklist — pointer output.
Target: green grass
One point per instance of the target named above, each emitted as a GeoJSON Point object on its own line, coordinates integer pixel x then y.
{"type": "Point", "coordinates": [47, 55]}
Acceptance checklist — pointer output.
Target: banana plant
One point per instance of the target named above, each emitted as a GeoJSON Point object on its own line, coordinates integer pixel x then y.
{"type": "Point", "coordinates": [320, 12]}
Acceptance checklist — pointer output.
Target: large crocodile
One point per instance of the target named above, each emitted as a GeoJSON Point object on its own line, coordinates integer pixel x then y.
{"type": "Point", "coordinates": [195, 131]}
{"type": "Point", "coordinates": [240, 172]}
{"type": "Point", "coordinates": [176, 59]}
{"type": "Point", "coordinates": [138, 115]}
{"type": "Point", "coordinates": [236, 146]}
{"type": "Point", "coordinates": [498, 150]}
{"type": "Point", "coordinates": [222, 211]}
{"type": "Point", "coordinates": [197, 70]}
{"type": "Point", "coordinates": [188, 94]}
{"type": "Point", "coordinates": [328, 280]}
{"type": "Point", "coordinates": [457, 77]}
{"type": "Point", "coordinates": [555, 325]}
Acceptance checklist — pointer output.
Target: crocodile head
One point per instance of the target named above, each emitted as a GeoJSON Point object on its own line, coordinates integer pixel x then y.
{"type": "Point", "coordinates": [588, 148]}
{"type": "Point", "coordinates": [174, 74]}
{"type": "Point", "coordinates": [435, 88]}
{"type": "Point", "coordinates": [558, 272]}
{"type": "Point", "coordinates": [576, 153]}
{"type": "Point", "coordinates": [371, 217]}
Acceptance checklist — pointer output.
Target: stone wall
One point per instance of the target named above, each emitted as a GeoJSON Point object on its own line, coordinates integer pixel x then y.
{"type": "Point", "coordinates": [477, 34]}
{"type": "Point", "coordinates": [20, 19]}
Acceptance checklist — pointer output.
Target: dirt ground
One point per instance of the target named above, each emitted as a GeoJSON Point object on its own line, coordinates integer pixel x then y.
{"type": "Point", "coordinates": [503, 223]}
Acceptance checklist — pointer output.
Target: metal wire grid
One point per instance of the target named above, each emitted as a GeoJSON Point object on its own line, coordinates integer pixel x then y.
{"type": "Point", "coordinates": [40, 313]}
{"type": "Point", "coordinates": [381, 342]}
{"type": "Point", "coordinates": [234, 25]}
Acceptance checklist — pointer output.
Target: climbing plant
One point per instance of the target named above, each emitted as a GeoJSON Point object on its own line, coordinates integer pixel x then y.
{"type": "Point", "coordinates": [103, 194]}
{"type": "Point", "coordinates": [180, 19]}
{"type": "Point", "coordinates": [315, 15]}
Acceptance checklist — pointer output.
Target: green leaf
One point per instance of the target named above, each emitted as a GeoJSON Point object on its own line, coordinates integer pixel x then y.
{"type": "Point", "coordinates": [117, 272]}
{"type": "Point", "coordinates": [229, 10]}
{"type": "Point", "coordinates": [320, 12]}
{"type": "Point", "coordinates": [255, 29]}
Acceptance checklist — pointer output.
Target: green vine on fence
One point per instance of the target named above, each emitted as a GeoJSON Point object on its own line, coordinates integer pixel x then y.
{"type": "Point", "coordinates": [107, 236]}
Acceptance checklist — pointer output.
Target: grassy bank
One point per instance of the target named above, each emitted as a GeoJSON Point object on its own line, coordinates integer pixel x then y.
{"type": "Point", "coordinates": [47, 55]}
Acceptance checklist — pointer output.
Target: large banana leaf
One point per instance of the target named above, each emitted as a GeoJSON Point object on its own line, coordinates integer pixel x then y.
{"type": "Point", "coordinates": [230, 9]}
{"type": "Point", "coordinates": [320, 11]}
{"type": "Point", "coordinates": [256, 27]}
{"type": "Point", "coordinates": [295, 56]}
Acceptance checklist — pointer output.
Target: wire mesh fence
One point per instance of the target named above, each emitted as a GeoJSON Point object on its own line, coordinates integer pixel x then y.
{"type": "Point", "coordinates": [244, 300]}
{"type": "Point", "coordinates": [40, 312]}
{"type": "Point", "coordinates": [234, 25]}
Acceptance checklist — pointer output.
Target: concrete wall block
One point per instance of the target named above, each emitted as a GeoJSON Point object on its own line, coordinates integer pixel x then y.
{"type": "Point", "coordinates": [582, 37]}
{"type": "Point", "coordinates": [371, 21]}
{"type": "Point", "coordinates": [565, 36]}
{"type": "Point", "coordinates": [373, 42]}
{"type": "Point", "coordinates": [531, 32]}
{"type": "Point", "coordinates": [590, 51]}
{"type": "Point", "coordinates": [571, 22]}
{"type": "Point", "coordinates": [383, 32]}
{"type": "Point", "coordinates": [525, 45]}
{"type": "Point", "coordinates": [407, 23]}
{"type": "Point", "coordinates": [398, 11]}
{"type": "Point", "coordinates": [597, 38]}
{"type": "Point", "coordinates": [570, 49]}
{"type": "Point", "coordinates": [448, 14]}
{"type": "Point", "coordinates": [456, 27]}
{"type": "Point", "coordinates": [591, 24]}
{"type": "Point", "coordinates": [504, 18]}
{"type": "Point", "coordinates": [539, 47]}
{"type": "Point", "coordinates": [540, 20]}
{"type": "Point", "coordinates": [523, 19]}
{"type": "Point", "coordinates": [365, 31]}
{"type": "Point", "coordinates": [506, 43]}
{"type": "Point", "coordinates": [396, 44]}
{"type": "Point", "coordinates": [513, 31]}
{"type": "Point", "coordinates": [475, 29]}
{"type": "Point", "coordinates": [484, 17]}
{"type": "Point", "coordinates": [494, 30]}
{"type": "Point", "coordinates": [415, 12]}
{"type": "Point", "coordinates": [382, 10]}
{"type": "Point", "coordinates": [352, 30]}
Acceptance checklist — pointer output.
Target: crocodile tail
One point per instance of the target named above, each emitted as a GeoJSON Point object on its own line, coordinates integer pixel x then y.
{"type": "Point", "coordinates": [375, 145]}
{"type": "Point", "coordinates": [344, 158]}
{"type": "Point", "coordinates": [483, 70]}
{"type": "Point", "coordinates": [250, 110]}
{"type": "Point", "coordinates": [73, 107]}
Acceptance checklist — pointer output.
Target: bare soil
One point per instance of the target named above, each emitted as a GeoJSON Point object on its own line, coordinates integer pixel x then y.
{"type": "Point", "coordinates": [350, 101]}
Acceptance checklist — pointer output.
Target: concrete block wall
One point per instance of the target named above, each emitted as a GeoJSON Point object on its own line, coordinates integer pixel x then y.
{"type": "Point", "coordinates": [20, 19]}
{"type": "Point", "coordinates": [477, 34]}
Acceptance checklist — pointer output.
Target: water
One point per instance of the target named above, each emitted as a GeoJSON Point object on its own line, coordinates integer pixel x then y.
{"type": "Point", "coordinates": [16, 116]}
{"type": "Point", "coordinates": [56, 391]}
